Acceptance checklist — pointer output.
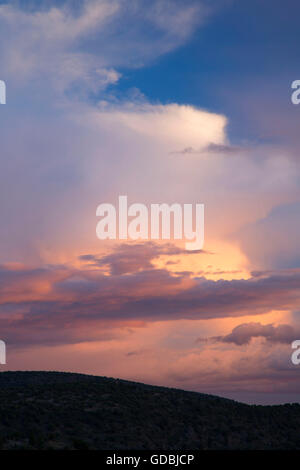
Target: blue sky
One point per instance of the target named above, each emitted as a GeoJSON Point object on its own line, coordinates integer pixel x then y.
{"type": "Point", "coordinates": [243, 48]}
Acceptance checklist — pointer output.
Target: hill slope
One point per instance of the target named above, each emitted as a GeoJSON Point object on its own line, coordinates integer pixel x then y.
{"type": "Point", "coordinates": [53, 410]}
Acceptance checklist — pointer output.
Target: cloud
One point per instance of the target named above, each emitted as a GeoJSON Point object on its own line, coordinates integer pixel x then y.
{"type": "Point", "coordinates": [77, 46]}
{"type": "Point", "coordinates": [128, 258]}
{"type": "Point", "coordinates": [66, 303]}
{"type": "Point", "coordinates": [281, 225]}
{"type": "Point", "coordinates": [242, 334]}
{"type": "Point", "coordinates": [213, 148]}
{"type": "Point", "coordinates": [166, 123]}
{"type": "Point", "coordinates": [248, 374]}
{"type": "Point", "coordinates": [40, 44]}
{"type": "Point", "coordinates": [85, 156]}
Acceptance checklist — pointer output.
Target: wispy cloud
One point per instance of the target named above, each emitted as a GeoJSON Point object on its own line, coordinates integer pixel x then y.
{"type": "Point", "coordinates": [213, 148]}
{"type": "Point", "coordinates": [79, 45]}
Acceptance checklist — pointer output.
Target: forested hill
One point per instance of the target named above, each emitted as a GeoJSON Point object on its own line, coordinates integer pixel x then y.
{"type": "Point", "coordinates": [54, 410]}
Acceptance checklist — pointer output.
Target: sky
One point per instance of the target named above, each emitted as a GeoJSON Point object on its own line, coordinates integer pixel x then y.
{"type": "Point", "coordinates": [165, 101]}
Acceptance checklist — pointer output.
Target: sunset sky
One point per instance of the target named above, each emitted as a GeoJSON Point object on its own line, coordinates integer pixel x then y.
{"type": "Point", "coordinates": [185, 101]}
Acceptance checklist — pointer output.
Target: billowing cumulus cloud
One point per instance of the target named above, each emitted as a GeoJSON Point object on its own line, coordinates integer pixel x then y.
{"type": "Point", "coordinates": [69, 139]}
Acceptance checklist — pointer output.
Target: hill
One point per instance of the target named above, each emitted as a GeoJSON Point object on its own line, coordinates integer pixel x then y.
{"type": "Point", "coordinates": [54, 410]}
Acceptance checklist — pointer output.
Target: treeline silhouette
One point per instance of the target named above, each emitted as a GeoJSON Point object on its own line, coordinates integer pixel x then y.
{"type": "Point", "coordinates": [54, 410]}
